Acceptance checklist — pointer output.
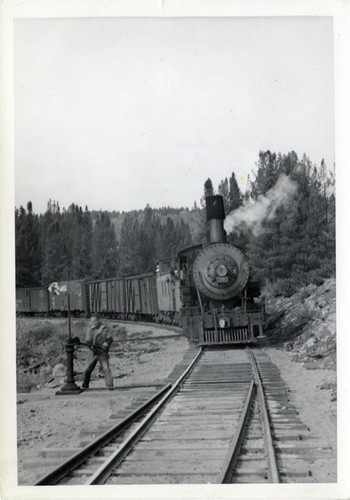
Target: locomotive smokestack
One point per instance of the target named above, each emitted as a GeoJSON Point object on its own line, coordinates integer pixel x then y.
{"type": "Point", "coordinates": [215, 217]}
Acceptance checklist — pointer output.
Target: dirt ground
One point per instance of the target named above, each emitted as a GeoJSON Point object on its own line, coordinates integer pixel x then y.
{"type": "Point", "coordinates": [49, 421]}
{"type": "Point", "coordinates": [46, 421]}
{"type": "Point", "coordinates": [311, 393]}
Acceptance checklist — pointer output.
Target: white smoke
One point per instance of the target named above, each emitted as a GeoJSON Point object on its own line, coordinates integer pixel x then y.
{"type": "Point", "coordinates": [253, 214]}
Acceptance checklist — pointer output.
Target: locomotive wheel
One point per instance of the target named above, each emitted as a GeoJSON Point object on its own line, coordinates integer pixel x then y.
{"type": "Point", "coordinates": [220, 271]}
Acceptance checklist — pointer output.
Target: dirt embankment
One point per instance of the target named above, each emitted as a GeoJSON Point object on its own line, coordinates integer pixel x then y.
{"type": "Point", "coordinates": [305, 325]}
{"type": "Point", "coordinates": [302, 338]}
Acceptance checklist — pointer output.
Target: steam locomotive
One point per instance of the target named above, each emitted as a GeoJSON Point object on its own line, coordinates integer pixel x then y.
{"type": "Point", "coordinates": [207, 290]}
{"type": "Point", "coordinates": [220, 303]}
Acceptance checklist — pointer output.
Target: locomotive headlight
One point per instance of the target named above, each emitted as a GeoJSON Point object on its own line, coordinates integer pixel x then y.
{"type": "Point", "coordinates": [221, 270]}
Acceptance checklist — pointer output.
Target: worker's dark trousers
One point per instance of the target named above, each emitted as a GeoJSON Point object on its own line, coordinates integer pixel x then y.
{"type": "Point", "coordinates": [91, 362]}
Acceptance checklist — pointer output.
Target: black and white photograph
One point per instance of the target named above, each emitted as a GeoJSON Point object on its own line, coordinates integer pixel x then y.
{"type": "Point", "coordinates": [173, 291]}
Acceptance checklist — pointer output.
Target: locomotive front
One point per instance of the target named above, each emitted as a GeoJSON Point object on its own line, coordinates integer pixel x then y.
{"type": "Point", "coordinates": [219, 303]}
{"type": "Point", "coordinates": [220, 271]}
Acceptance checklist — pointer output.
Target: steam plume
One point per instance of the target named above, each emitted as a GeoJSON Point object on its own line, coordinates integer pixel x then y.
{"type": "Point", "coordinates": [252, 214]}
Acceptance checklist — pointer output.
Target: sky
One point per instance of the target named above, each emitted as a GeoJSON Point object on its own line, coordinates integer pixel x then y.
{"type": "Point", "coordinates": [118, 113]}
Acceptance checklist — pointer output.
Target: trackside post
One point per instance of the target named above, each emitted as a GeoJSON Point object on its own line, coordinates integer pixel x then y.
{"type": "Point", "coordinates": [70, 387]}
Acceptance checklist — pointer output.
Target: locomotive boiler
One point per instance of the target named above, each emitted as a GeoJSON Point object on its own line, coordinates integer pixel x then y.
{"type": "Point", "coordinates": [220, 302]}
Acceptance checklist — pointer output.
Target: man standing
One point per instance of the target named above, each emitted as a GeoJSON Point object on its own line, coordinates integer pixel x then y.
{"type": "Point", "coordinates": [99, 339]}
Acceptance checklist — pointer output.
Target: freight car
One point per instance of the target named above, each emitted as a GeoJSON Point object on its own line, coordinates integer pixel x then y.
{"type": "Point", "coordinates": [150, 296]}
{"type": "Point", "coordinates": [131, 297]}
{"type": "Point", "coordinates": [77, 294]}
{"type": "Point", "coordinates": [168, 292]}
{"type": "Point", "coordinates": [107, 297]}
{"type": "Point", "coordinates": [39, 301]}
{"type": "Point", "coordinates": [32, 301]}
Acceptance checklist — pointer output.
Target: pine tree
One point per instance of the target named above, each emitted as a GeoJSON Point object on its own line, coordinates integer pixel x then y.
{"type": "Point", "coordinates": [54, 247]}
{"type": "Point", "coordinates": [208, 188]}
{"type": "Point", "coordinates": [85, 247]}
{"type": "Point", "coordinates": [104, 248]}
{"type": "Point", "coordinates": [28, 256]}
{"type": "Point", "coordinates": [129, 240]}
{"type": "Point", "coordinates": [146, 247]}
{"type": "Point", "coordinates": [266, 175]}
{"type": "Point", "coordinates": [78, 230]}
{"type": "Point", "coordinates": [185, 238]}
{"type": "Point", "coordinates": [235, 197]}
{"type": "Point", "coordinates": [223, 190]}
{"type": "Point", "coordinates": [170, 238]}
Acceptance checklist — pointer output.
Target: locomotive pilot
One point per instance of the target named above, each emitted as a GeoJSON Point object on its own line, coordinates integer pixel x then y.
{"type": "Point", "coordinates": [99, 339]}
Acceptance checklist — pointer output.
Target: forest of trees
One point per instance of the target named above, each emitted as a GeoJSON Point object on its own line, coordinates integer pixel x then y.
{"type": "Point", "coordinates": [294, 247]}
{"type": "Point", "coordinates": [73, 244]}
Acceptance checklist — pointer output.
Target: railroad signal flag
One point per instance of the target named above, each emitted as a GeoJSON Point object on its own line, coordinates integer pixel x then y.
{"type": "Point", "coordinates": [56, 288]}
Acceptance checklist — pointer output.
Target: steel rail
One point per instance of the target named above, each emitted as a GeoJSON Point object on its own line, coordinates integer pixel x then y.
{"type": "Point", "coordinates": [106, 469]}
{"type": "Point", "coordinates": [60, 472]}
{"type": "Point", "coordinates": [273, 471]}
{"type": "Point", "coordinates": [234, 448]}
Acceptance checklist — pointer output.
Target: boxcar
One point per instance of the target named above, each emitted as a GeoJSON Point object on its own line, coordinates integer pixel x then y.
{"type": "Point", "coordinates": [107, 297]}
{"type": "Point", "coordinates": [32, 300]}
{"type": "Point", "coordinates": [77, 296]}
{"type": "Point", "coordinates": [141, 296]}
{"type": "Point", "coordinates": [132, 297]}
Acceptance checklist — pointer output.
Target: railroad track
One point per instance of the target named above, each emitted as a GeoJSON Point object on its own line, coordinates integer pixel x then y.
{"type": "Point", "coordinates": [226, 419]}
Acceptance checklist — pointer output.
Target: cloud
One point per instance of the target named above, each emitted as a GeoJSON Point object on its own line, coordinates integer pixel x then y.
{"type": "Point", "coordinates": [253, 214]}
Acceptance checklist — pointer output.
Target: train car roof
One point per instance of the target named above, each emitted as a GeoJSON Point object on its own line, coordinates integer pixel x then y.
{"type": "Point", "coordinates": [129, 277]}
{"type": "Point", "coordinates": [137, 276]}
{"type": "Point", "coordinates": [36, 287]}
{"type": "Point", "coordinates": [103, 280]}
